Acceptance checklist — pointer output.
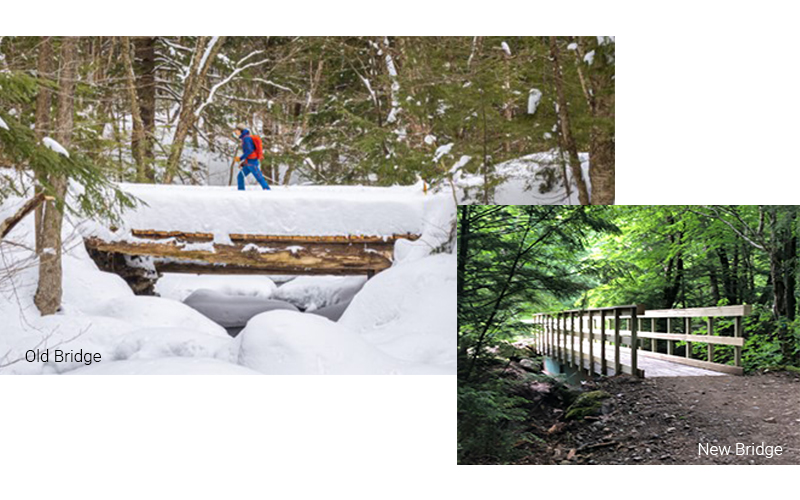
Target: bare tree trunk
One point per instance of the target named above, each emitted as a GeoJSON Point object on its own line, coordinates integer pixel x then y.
{"type": "Point", "coordinates": [566, 130]}
{"type": "Point", "coordinates": [43, 101]}
{"type": "Point", "coordinates": [48, 293]}
{"type": "Point", "coordinates": [138, 136]}
{"type": "Point", "coordinates": [193, 86]}
{"type": "Point", "coordinates": [146, 88]}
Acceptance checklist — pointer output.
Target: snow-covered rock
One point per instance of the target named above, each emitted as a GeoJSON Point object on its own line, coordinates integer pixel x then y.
{"type": "Point", "coordinates": [180, 286]}
{"type": "Point", "coordinates": [292, 343]}
{"type": "Point", "coordinates": [314, 292]}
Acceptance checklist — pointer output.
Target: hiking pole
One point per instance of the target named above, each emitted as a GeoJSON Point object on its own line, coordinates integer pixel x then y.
{"type": "Point", "coordinates": [233, 163]}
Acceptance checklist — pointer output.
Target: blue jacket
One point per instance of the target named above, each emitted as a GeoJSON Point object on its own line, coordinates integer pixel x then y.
{"type": "Point", "coordinates": [248, 147]}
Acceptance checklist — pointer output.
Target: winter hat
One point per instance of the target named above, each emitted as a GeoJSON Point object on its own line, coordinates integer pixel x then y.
{"type": "Point", "coordinates": [241, 126]}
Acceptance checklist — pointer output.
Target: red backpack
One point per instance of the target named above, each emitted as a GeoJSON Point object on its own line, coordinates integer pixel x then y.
{"type": "Point", "coordinates": [259, 147]}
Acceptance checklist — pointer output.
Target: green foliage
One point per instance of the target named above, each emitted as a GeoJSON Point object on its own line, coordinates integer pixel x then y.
{"type": "Point", "coordinates": [94, 194]}
{"type": "Point", "coordinates": [487, 415]}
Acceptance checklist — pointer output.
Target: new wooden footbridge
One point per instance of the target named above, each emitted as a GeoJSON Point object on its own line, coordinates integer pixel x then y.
{"type": "Point", "coordinates": [632, 340]}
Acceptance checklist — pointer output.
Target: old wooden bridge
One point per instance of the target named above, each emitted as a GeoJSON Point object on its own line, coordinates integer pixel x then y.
{"type": "Point", "coordinates": [629, 339]}
{"type": "Point", "coordinates": [341, 230]}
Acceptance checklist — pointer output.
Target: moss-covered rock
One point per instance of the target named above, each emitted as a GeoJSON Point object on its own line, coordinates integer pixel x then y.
{"type": "Point", "coordinates": [587, 404]}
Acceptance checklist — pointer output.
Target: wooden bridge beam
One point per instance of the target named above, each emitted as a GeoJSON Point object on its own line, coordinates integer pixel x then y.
{"type": "Point", "coordinates": [308, 257]}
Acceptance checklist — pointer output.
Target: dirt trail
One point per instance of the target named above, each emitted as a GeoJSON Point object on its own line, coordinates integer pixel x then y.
{"type": "Point", "coordinates": [662, 421]}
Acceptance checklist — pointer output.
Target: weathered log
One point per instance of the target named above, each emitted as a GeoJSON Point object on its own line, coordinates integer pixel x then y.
{"type": "Point", "coordinates": [259, 238]}
{"type": "Point", "coordinates": [313, 257]}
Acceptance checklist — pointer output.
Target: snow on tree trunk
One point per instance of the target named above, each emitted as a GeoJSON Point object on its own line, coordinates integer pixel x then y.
{"type": "Point", "coordinates": [48, 293]}
{"type": "Point", "coordinates": [394, 113]}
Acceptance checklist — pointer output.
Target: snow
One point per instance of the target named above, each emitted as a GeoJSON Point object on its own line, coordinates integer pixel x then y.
{"type": "Point", "coordinates": [285, 210]}
{"type": "Point", "coordinates": [156, 312]}
{"type": "Point", "coordinates": [522, 179]}
{"type": "Point", "coordinates": [589, 58]}
{"type": "Point", "coordinates": [506, 48]}
{"type": "Point", "coordinates": [429, 139]}
{"type": "Point", "coordinates": [180, 286]}
{"type": "Point", "coordinates": [290, 343]}
{"type": "Point", "coordinates": [55, 146]}
{"type": "Point", "coordinates": [572, 46]}
{"type": "Point", "coordinates": [165, 366]}
{"type": "Point", "coordinates": [315, 292]}
{"type": "Point", "coordinates": [3, 124]}
{"type": "Point", "coordinates": [534, 98]}
{"type": "Point", "coordinates": [408, 311]}
{"type": "Point", "coordinates": [207, 53]}
{"type": "Point", "coordinates": [161, 335]}
{"type": "Point", "coordinates": [154, 343]}
{"type": "Point", "coordinates": [441, 151]}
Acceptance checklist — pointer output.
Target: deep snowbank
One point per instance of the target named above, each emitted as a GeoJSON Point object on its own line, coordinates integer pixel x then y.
{"type": "Point", "coordinates": [408, 311]}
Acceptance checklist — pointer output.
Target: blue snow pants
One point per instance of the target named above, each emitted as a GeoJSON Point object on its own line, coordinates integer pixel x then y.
{"type": "Point", "coordinates": [251, 167]}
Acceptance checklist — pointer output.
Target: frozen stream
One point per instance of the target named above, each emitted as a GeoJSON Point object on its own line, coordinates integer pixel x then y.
{"type": "Point", "coordinates": [231, 301]}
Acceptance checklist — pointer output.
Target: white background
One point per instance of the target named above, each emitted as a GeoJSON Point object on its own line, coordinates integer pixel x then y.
{"type": "Point", "coordinates": [707, 113]}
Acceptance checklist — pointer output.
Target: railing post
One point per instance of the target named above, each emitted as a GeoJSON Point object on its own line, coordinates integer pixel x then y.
{"type": "Point", "coordinates": [603, 362]}
{"type": "Point", "coordinates": [669, 342]}
{"type": "Point", "coordinates": [653, 341]}
{"type": "Point", "coordinates": [710, 345]}
{"type": "Point", "coordinates": [617, 361]}
{"type": "Point", "coordinates": [737, 332]}
{"type": "Point", "coordinates": [572, 339]}
{"type": "Point", "coordinates": [580, 337]}
{"type": "Point", "coordinates": [590, 368]}
{"type": "Point", "coordinates": [558, 337]}
{"type": "Point", "coordinates": [635, 344]}
{"type": "Point", "coordinates": [688, 332]}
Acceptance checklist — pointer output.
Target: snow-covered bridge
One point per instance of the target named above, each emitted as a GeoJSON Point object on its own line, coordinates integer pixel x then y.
{"type": "Point", "coordinates": [289, 230]}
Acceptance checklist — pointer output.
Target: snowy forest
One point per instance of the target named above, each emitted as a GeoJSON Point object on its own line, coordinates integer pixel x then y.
{"type": "Point", "coordinates": [135, 239]}
{"type": "Point", "coordinates": [505, 120]}
{"type": "Point", "coordinates": [515, 261]}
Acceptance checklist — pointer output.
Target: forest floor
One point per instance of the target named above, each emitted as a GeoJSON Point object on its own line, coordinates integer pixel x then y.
{"type": "Point", "coordinates": [664, 420]}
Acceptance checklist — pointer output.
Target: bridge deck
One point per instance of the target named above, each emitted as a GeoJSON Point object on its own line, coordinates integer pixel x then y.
{"type": "Point", "coordinates": [652, 367]}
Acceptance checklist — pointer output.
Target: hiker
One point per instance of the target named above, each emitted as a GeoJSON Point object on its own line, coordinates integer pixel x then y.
{"type": "Point", "coordinates": [248, 162]}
